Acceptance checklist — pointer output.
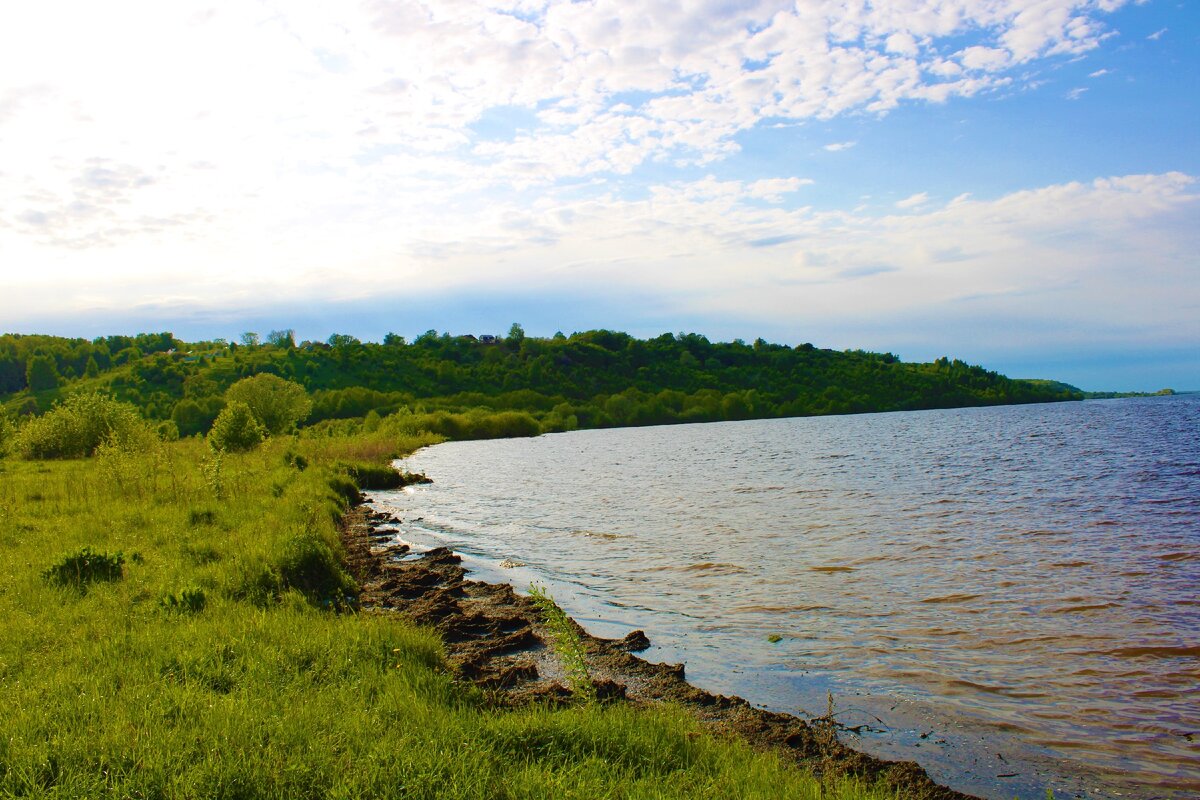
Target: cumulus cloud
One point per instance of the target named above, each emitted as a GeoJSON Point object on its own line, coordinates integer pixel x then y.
{"type": "Point", "coordinates": [334, 150]}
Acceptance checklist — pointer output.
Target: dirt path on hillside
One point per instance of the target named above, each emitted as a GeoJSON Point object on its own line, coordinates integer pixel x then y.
{"type": "Point", "coordinates": [496, 639]}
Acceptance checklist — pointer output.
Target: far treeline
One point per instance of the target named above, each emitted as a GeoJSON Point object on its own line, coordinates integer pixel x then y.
{"type": "Point", "coordinates": [493, 386]}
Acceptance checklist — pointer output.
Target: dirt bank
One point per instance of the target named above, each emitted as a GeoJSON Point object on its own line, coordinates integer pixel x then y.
{"type": "Point", "coordinates": [495, 638]}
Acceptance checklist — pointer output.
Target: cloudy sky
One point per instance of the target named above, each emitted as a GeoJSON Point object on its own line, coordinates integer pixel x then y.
{"type": "Point", "coordinates": [1012, 182]}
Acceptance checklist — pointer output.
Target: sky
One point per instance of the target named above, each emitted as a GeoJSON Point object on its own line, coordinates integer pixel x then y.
{"type": "Point", "coordinates": [1010, 182]}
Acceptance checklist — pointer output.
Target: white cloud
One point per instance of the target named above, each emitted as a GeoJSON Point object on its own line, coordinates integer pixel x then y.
{"type": "Point", "coordinates": [1099, 73]}
{"type": "Point", "coordinates": [259, 150]}
{"type": "Point", "coordinates": [912, 202]}
{"type": "Point", "coordinates": [1076, 93]}
{"type": "Point", "coordinates": [1158, 34]}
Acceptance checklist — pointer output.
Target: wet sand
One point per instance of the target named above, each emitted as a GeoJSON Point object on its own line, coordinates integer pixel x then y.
{"type": "Point", "coordinates": [496, 640]}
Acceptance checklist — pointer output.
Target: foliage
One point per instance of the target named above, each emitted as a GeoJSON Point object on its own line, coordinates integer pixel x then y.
{"type": "Point", "coordinates": [191, 600]}
{"type": "Point", "coordinates": [308, 563]}
{"type": "Point", "coordinates": [41, 373]}
{"type": "Point", "coordinates": [276, 403]}
{"type": "Point", "coordinates": [567, 643]}
{"type": "Point", "coordinates": [86, 566]}
{"type": "Point", "coordinates": [77, 426]}
{"type": "Point", "coordinates": [7, 431]}
{"type": "Point", "coordinates": [516, 385]}
{"type": "Point", "coordinates": [236, 429]}
{"type": "Point", "coordinates": [374, 476]}
{"type": "Point", "coordinates": [282, 338]}
{"type": "Point", "coordinates": [190, 418]}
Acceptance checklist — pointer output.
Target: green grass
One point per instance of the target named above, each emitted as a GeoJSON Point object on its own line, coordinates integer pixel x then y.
{"type": "Point", "coordinates": [217, 665]}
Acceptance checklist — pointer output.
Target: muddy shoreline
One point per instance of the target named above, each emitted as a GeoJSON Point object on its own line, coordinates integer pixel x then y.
{"type": "Point", "coordinates": [496, 639]}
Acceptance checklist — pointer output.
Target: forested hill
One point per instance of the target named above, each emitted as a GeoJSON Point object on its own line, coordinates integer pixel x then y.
{"type": "Point", "coordinates": [591, 379]}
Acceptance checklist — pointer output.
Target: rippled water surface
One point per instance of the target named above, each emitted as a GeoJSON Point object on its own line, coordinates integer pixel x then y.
{"type": "Point", "coordinates": [1008, 596]}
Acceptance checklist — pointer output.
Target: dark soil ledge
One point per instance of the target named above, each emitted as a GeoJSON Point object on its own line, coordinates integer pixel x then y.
{"type": "Point", "coordinates": [495, 639]}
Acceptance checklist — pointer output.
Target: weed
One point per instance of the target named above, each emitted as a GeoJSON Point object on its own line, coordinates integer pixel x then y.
{"type": "Point", "coordinates": [201, 516]}
{"type": "Point", "coordinates": [191, 600]}
{"type": "Point", "coordinates": [212, 467]}
{"type": "Point", "coordinates": [567, 644]}
{"type": "Point", "coordinates": [86, 566]}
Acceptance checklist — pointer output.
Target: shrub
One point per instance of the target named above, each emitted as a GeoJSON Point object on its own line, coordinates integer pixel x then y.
{"type": "Point", "coordinates": [77, 426]}
{"type": "Point", "coordinates": [374, 476]}
{"type": "Point", "coordinates": [6, 435]}
{"type": "Point", "coordinates": [86, 566]}
{"type": "Point", "coordinates": [236, 429]}
{"type": "Point", "coordinates": [276, 403]}
{"type": "Point", "coordinates": [308, 565]}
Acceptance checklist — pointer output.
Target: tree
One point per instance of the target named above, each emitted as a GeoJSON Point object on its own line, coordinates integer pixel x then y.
{"type": "Point", "coordinates": [276, 403]}
{"type": "Point", "coordinates": [393, 340]}
{"type": "Point", "coordinates": [92, 370]}
{"type": "Point", "coordinates": [516, 334]}
{"type": "Point", "coordinates": [41, 373]}
{"type": "Point", "coordinates": [342, 340]}
{"type": "Point", "coordinates": [189, 417]}
{"type": "Point", "coordinates": [285, 338]}
{"type": "Point", "coordinates": [250, 339]}
{"type": "Point", "coordinates": [236, 430]}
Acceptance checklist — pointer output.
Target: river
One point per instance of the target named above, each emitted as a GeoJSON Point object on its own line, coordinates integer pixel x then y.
{"type": "Point", "coordinates": [1008, 596]}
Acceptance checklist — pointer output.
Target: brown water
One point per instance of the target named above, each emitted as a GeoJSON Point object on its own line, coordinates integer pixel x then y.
{"type": "Point", "coordinates": [1008, 596]}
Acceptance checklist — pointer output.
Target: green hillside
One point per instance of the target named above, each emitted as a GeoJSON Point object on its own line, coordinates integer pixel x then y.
{"type": "Point", "coordinates": [592, 379]}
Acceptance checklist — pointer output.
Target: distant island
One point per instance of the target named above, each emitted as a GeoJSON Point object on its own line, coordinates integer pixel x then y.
{"type": "Point", "coordinates": [1111, 395]}
{"type": "Point", "coordinates": [592, 379]}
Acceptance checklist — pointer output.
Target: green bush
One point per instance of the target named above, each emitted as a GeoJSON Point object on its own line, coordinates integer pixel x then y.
{"type": "Point", "coordinates": [86, 566]}
{"type": "Point", "coordinates": [77, 426]}
{"type": "Point", "coordinates": [375, 476]}
{"type": "Point", "coordinates": [308, 565]}
{"type": "Point", "coordinates": [277, 403]}
{"type": "Point", "coordinates": [236, 429]}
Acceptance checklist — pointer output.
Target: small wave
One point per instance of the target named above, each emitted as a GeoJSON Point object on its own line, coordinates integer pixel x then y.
{"type": "Point", "coordinates": [1080, 608]}
{"type": "Point", "coordinates": [1179, 557]}
{"type": "Point", "coordinates": [709, 567]}
{"type": "Point", "coordinates": [951, 598]}
{"type": "Point", "coordinates": [1072, 564]}
{"type": "Point", "coordinates": [833, 568]}
{"type": "Point", "coordinates": [1156, 651]}
{"type": "Point", "coordinates": [756, 609]}
{"type": "Point", "coordinates": [597, 534]}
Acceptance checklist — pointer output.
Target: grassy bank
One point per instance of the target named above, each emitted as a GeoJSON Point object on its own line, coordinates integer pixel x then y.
{"type": "Point", "coordinates": [177, 625]}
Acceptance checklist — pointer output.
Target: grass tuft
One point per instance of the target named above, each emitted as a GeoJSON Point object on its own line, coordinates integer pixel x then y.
{"type": "Point", "coordinates": [86, 566]}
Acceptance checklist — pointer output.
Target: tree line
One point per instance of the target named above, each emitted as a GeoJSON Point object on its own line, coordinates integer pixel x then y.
{"type": "Point", "coordinates": [597, 378]}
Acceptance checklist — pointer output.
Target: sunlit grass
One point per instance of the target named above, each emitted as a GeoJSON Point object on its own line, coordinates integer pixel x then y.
{"type": "Point", "coordinates": [259, 691]}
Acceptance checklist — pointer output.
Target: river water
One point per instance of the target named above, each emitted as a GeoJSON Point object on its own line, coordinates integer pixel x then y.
{"type": "Point", "coordinates": [1009, 596]}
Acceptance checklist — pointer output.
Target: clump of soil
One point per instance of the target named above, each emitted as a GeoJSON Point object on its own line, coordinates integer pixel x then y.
{"type": "Point", "coordinates": [495, 638]}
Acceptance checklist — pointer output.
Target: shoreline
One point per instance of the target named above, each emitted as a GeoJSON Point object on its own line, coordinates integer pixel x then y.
{"type": "Point", "coordinates": [496, 640]}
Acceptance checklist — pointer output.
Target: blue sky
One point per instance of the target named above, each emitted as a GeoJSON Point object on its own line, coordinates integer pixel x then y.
{"type": "Point", "coordinates": [1011, 182]}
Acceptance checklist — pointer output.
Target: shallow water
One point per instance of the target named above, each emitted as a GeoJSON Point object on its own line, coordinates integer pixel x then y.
{"type": "Point", "coordinates": [1007, 596]}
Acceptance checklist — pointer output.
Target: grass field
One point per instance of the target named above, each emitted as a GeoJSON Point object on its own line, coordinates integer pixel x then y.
{"type": "Point", "coordinates": [205, 644]}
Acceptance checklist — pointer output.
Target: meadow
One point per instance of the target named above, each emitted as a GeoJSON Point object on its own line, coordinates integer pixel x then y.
{"type": "Point", "coordinates": [178, 622]}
